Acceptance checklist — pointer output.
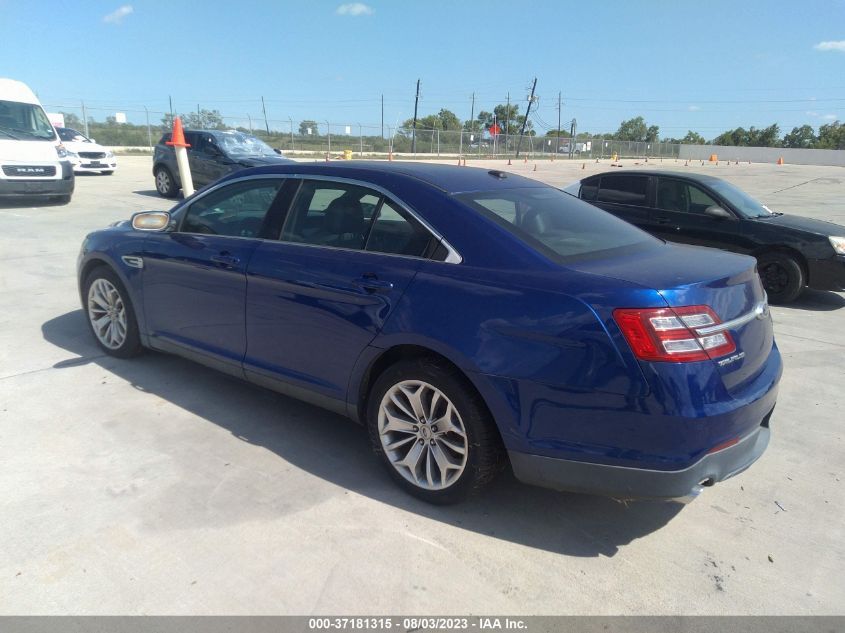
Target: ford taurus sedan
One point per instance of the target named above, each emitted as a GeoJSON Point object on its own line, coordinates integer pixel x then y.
{"type": "Point", "coordinates": [792, 252]}
{"type": "Point", "coordinates": [470, 319]}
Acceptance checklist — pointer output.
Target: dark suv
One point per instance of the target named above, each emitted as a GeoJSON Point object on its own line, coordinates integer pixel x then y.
{"type": "Point", "coordinates": [212, 154]}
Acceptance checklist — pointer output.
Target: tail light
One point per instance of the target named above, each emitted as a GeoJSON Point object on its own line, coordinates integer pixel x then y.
{"type": "Point", "coordinates": [669, 334]}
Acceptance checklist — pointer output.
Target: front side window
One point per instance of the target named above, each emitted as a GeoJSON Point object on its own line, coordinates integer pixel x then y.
{"type": "Point", "coordinates": [623, 189]}
{"type": "Point", "coordinates": [24, 121]}
{"type": "Point", "coordinates": [236, 210]}
{"type": "Point", "coordinates": [680, 196]}
{"type": "Point", "coordinates": [331, 214]}
{"type": "Point", "coordinates": [69, 135]}
{"type": "Point", "coordinates": [556, 224]}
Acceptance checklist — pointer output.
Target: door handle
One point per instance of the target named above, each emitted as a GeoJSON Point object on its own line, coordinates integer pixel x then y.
{"type": "Point", "coordinates": [227, 260]}
{"type": "Point", "coordinates": [371, 283]}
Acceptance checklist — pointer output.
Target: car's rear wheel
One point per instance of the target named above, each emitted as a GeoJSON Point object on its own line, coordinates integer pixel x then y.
{"type": "Point", "coordinates": [432, 431]}
{"type": "Point", "coordinates": [110, 314]}
{"type": "Point", "coordinates": [165, 185]}
{"type": "Point", "coordinates": [782, 276]}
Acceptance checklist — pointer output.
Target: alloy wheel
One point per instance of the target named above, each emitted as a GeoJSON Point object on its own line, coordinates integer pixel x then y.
{"type": "Point", "coordinates": [162, 181]}
{"type": "Point", "coordinates": [422, 435]}
{"type": "Point", "coordinates": [107, 313]}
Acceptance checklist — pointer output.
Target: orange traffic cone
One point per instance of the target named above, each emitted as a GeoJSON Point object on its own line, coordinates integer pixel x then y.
{"type": "Point", "coordinates": [686, 164]}
{"type": "Point", "coordinates": [509, 162]}
{"type": "Point", "coordinates": [780, 160]}
{"type": "Point", "coordinates": [713, 158]}
{"type": "Point", "coordinates": [583, 165]}
{"type": "Point", "coordinates": [535, 167]}
{"type": "Point", "coordinates": [177, 139]}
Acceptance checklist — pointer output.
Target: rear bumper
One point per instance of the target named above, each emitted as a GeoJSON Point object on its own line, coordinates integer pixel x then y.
{"type": "Point", "coordinates": [827, 274]}
{"type": "Point", "coordinates": [637, 483]}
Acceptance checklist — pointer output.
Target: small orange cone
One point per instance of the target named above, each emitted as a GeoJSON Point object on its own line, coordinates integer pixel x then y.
{"type": "Point", "coordinates": [535, 167]}
{"type": "Point", "coordinates": [177, 139]}
{"type": "Point", "coordinates": [686, 164]}
{"type": "Point", "coordinates": [583, 165]}
{"type": "Point", "coordinates": [509, 162]}
{"type": "Point", "coordinates": [780, 160]}
{"type": "Point", "coordinates": [714, 158]}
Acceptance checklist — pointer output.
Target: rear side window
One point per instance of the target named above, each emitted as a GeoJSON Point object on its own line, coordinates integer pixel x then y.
{"type": "Point", "coordinates": [394, 233]}
{"type": "Point", "coordinates": [623, 189]}
{"type": "Point", "coordinates": [557, 224]}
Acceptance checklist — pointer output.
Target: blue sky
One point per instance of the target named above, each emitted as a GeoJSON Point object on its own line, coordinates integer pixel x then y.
{"type": "Point", "coordinates": [706, 66]}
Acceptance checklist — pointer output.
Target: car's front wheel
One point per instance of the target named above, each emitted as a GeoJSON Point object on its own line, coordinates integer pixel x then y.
{"type": "Point", "coordinates": [782, 276]}
{"type": "Point", "coordinates": [432, 431]}
{"type": "Point", "coordinates": [165, 185]}
{"type": "Point", "coordinates": [109, 313]}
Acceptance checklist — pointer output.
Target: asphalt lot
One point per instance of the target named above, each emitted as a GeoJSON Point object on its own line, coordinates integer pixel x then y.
{"type": "Point", "coordinates": [156, 486]}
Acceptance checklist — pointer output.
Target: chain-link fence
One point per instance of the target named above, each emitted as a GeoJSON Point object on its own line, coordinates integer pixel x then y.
{"type": "Point", "coordinates": [141, 128]}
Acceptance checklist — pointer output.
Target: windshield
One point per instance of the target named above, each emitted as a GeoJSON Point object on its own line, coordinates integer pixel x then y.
{"type": "Point", "coordinates": [68, 135]}
{"type": "Point", "coordinates": [556, 224]}
{"type": "Point", "coordinates": [25, 121]}
{"type": "Point", "coordinates": [747, 206]}
{"type": "Point", "coordinates": [240, 144]}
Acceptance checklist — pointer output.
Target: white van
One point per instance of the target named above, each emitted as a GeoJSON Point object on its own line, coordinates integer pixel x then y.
{"type": "Point", "coordinates": [32, 160]}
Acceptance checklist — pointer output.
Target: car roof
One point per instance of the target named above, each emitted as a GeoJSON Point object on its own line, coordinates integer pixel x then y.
{"type": "Point", "coordinates": [702, 178]}
{"type": "Point", "coordinates": [448, 178]}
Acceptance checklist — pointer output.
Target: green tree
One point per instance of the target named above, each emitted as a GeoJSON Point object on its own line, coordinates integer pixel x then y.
{"type": "Point", "coordinates": [204, 120]}
{"type": "Point", "coordinates": [652, 135]}
{"type": "Point", "coordinates": [71, 120]}
{"type": "Point", "coordinates": [443, 120]}
{"type": "Point", "coordinates": [802, 137]}
{"type": "Point", "coordinates": [632, 130]}
{"type": "Point", "coordinates": [831, 136]}
{"type": "Point", "coordinates": [308, 127]}
{"type": "Point", "coordinates": [693, 138]}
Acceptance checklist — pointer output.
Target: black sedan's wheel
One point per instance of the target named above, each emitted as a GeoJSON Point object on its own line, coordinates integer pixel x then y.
{"type": "Point", "coordinates": [110, 314]}
{"type": "Point", "coordinates": [432, 431]}
{"type": "Point", "coordinates": [165, 184]}
{"type": "Point", "coordinates": [782, 277]}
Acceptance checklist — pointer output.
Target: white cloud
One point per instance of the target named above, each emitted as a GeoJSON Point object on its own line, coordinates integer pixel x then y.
{"type": "Point", "coordinates": [831, 46]}
{"type": "Point", "coordinates": [829, 117]}
{"type": "Point", "coordinates": [812, 113]}
{"type": "Point", "coordinates": [118, 15]}
{"type": "Point", "coordinates": [694, 108]}
{"type": "Point", "coordinates": [354, 9]}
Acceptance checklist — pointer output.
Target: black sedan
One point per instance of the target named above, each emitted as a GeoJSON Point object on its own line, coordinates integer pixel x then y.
{"type": "Point", "coordinates": [792, 251]}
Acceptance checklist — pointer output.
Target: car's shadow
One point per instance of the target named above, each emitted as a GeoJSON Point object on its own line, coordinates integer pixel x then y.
{"type": "Point", "coordinates": [304, 436]}
{"type": "Point", "coordinates": [27, 202]}
{"type": "Point", "coordinates": [817, 301]}
{"type": "Point", "coordinates": [152, 193]}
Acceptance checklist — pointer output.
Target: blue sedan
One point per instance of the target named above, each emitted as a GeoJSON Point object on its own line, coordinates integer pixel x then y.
{"type": "Point", "coordinates": [471, 320]}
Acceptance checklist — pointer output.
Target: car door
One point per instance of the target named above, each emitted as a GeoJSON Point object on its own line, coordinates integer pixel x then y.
{"type": "Point", "coordinates": [320, 294]}
{"type": "Point", "coordinates": [680, 216]}
{"type": "Point", "coordinates": [626, 196]}
{"type": "Point", "coordinates": [194, 278]}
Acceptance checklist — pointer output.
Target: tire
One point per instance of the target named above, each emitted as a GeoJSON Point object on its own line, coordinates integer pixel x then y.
{"type": "Point", "coordinates": [782, 276]}
{"type": "Point", "coordinates": [165, 184]}
{"type": "Point", "coordinates": [470, 429]}
{"type": "Point", "coordinates": [108, 172]}
{"type": "Point", "coordinates": [106, 298]}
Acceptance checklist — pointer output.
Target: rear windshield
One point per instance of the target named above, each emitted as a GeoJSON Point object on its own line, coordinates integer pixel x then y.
{"type": "Point", "coordinates": [556, 224]}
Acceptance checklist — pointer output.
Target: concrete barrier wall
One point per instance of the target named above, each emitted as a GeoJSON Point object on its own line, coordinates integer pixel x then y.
{"type": "Point", "coordinates": [765, 154]}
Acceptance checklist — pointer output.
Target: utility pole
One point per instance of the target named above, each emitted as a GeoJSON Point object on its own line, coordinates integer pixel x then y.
{"type": "Point", "coordinates": [382, 115]}
{"type": "Point", "coordinates": [170, 99]}
{"type": "Point", "coordinates": [471, 125]}
{"type": "Point", "coordinates": [508, 117]}
{"type": "Point", "coordinates": [264, 110]}
{"type": "Point", "coordinates": [84, 118]}
{"type": "Point", "coordinates": [250, 122]}
{"type": "Point", "coordinates": [149, 131]}
{"type": "Point", "coordinates": [574, 126]}
{"type": "Point", "coordinates": [557, 149]}
{"type": "Point", "coordinates": [200, 122]}
{"type": "Point", "coordinates": [414, 132]}
{"type": "Point", "coordinates": [525, 120]}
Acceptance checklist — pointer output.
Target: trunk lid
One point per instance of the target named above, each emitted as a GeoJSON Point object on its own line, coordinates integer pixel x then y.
{"type": "Point", "coordinates": [726, 282]}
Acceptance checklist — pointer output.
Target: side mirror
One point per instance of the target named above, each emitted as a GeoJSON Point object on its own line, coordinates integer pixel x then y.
{"type": "Point", "coordinates": [93, 140]}
{"type": "Point", "coordinates": [277, 150]}
{"type": "Point", "coordinates": [715, 211]}
{"type": "Point", "coordinates": [151, 221]}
